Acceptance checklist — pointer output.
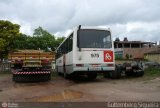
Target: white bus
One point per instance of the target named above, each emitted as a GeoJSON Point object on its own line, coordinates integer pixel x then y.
{"type": "Point", "coordinates": [87, 51]}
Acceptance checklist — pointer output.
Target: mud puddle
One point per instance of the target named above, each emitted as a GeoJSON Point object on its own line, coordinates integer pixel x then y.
{"type": "Point", "coordinates": [65, 95]}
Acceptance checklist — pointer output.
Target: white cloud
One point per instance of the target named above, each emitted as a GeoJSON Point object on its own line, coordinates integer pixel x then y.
{"type": "Point", "coordinates": [135, 19]}
{"type": "Point", "coordinates": [142, 26]}
{"type": "Point", "coordinates": [26, 28]}
{"type": "Point", "coordinates": [64, 33]}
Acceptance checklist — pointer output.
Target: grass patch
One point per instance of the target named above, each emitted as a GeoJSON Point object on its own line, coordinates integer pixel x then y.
{"type": "Point", "coordinates": [152, 72]}
{"type": "Point", "coordinates": [2, 74]}
{"type": "Point", "coordinates": [5, 72]}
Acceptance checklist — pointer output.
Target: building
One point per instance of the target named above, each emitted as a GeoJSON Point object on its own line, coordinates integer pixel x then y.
{"type": "Point", "coordinates": [153, 56]}
{"type": "Point", "coordinates": [133, 49]}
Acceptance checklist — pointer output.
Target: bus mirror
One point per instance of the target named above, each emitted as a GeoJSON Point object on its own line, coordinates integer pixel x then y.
{"type": "Point", "coordinates": [78, 44]}
{"type": "Point", "coordinates": [78, 40]}
{"type": "Point", "coordinates": [79, 27]}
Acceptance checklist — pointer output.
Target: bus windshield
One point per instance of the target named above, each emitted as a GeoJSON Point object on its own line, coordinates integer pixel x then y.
{"type": "Point", "coordinates": [90, 38]}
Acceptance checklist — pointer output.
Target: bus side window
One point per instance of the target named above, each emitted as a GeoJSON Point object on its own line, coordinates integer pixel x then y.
{"type": "Point", "coordinates": [58, 53]}
{"type": "Point", "coordinates": [66, 46]}
{"type": "Point", "coordinates": [63, 48]}
{"type": "Point", "coordinates": [70, 42]}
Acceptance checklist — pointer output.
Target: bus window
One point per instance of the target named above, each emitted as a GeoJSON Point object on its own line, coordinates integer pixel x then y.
{"type": "Point", "coordinates": [70, 43]}
{"type": "Point", "coordinates": [94, 38]}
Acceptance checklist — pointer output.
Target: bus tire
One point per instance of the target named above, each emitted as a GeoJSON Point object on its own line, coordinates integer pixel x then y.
{"type": "Point", "coordinates": [117, 73]}
{"type": "Point", "coordinates": [65, 75]}
{"type": "Point", "coordinates": [59, 74]}
{"type": "Point", "coordinates": [92, 76]}
{"type": "Point", "coordinates": [141, 73]}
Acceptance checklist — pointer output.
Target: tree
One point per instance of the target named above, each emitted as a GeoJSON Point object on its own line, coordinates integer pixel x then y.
{"type": "Point", "coordinates": [8, 34]}
{"type": "Point", "coordinates": [44, 40]}
{"type": "Point", "coordinates": [2, 44]}
{"type": "Point", "coordinates": [41, 39]}
{"type": "Point", "coordinates": [21, 42]}
{"type": "Point", "coordinates": [59, 40]}
{"type": "Point", "coordinates": [127, 56]}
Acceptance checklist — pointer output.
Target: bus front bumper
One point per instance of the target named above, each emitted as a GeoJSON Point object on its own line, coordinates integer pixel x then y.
{"type": "Point", "coordinates": [98, 69]}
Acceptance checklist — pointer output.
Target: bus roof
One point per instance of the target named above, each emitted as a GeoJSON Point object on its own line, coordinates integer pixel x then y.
{"type": "Point", "coordinates": [84, 27]}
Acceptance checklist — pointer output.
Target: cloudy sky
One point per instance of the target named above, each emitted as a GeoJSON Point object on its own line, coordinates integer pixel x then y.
{"type": "Point", "coordinates": [135, 19]}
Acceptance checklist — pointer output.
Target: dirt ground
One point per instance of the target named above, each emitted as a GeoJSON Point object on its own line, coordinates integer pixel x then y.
{"type": "Point", "coordinates": [80, 90]}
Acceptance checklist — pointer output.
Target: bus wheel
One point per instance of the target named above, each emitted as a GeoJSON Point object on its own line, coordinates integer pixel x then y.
{"type": "Point", "coordinates": [59, 74]}
{"type": "Point", "coordinates": [117, 73]}
{"type": "Point", "coordinates": [92, 76]}
{"type": "Point", "coordinates": [65, 75]}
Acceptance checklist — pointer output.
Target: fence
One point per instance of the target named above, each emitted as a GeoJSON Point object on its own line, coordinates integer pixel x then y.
{"type": "Point", "coordinates": [5, 67]}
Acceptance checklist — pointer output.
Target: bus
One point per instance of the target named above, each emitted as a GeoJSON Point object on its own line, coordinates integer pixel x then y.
{"type": "Point", "coordinates": [87, 51]}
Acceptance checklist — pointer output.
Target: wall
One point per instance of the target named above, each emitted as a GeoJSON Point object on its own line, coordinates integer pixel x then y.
{"type": "Point", "coordinates": [153, 57]}
{"type": "Point", "coordinates": [137, 52]}
{"type": "Point", "coordinates": [5, 67]}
